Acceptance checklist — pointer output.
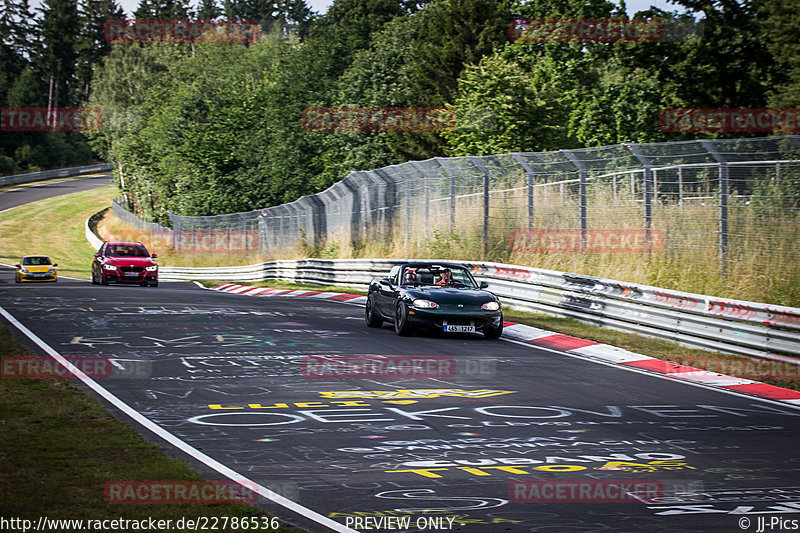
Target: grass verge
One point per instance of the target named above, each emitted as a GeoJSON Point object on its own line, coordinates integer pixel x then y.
{"type": "Point", "coordinates": [54, 227]}
{"type": "Point", "coordinates": [60, 447]}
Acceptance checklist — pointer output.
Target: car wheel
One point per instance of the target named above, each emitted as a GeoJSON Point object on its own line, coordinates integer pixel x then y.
{"type": "Point", "coordinates": [493, 333]}
{"type": "Point", "coordinates": [103, 280]}
{"type": "Point", "coordinates": [372, 318]}
{"type": "Point", "coordinates": [94, 278]}
{"type": "Point", "coordinates": [16, 278]}
{"type": "Point", "coordinates": [154, 284]}
{"type": "Point", "coordinates": [401, 326]}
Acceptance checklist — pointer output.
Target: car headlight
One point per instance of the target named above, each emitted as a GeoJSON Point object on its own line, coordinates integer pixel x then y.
{"type": "Point", "coordinates": [425, 304]}
{"type": "Point", "coordinates": [152, 268]}
{"type": "Point", "coordinates": [490, 306]}
{"type": "Point", "coordinates": [52, 269]}
{"type": "Point", "coordinates": [24, 270]}
{"type": "Point", "coordinates": [109, 267]}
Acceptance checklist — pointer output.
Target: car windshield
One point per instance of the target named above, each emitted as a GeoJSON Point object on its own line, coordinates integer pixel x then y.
{"type": "Point", "coordinates": [132, 250]}
{"type": "Point", "coordinates": [36, 261]}
{"type": "Point", "coordinates": [435, 275]}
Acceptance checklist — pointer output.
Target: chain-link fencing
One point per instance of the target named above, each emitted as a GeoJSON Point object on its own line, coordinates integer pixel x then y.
{"type": "Point", "coordinates": [732, 201]}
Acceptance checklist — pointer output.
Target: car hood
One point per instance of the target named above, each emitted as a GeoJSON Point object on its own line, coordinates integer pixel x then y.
{"type": "Point", "coordinates": [130, 261]}
{"type": "Point", "coordinates": [451, 295]}
{"type": "Point", "coordinates": [37, 268]}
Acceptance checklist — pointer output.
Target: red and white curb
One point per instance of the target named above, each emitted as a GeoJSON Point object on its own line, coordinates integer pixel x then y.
{"type": "Point", "coordinates": [612, 354]}
{"type": "Point", "coordinates": [574, 345]}
{"type": "Point", "coordinates": [233, 288]}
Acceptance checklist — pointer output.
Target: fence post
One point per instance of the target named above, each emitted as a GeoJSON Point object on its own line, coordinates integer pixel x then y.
{"type": "Point", "coordinates": [480, 166]}
{"type": "Point", "coordinates": [581, 193]}
{"type": "Point", "coordinates": [529, 182]}
{"type": "Point", "coordinates": [724, 193]}
{"type": "Point", "coordinates": [355, 210]}
{"type": "Point", "coordinates": [318, 221]}
{"type": "Point", "coordinates": [648, 189]}
{"type": "Point", "coordinates": [451, 174]}
{"type": "Point", "coordinates": [427, 193]}
{"type": "Point", "coordinates": [390, 198]}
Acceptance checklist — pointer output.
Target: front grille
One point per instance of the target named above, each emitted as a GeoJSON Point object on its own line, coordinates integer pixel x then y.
{"type": "Point", "coordinates": [131, 269]}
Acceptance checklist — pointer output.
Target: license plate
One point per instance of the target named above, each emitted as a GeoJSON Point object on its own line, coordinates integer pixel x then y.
{"type": "Point", "coordinates": [132, 274]}
{"type": "Point", "coordinates": [451, 328]}
{"type": "Point", "coordinates": [38, 275]}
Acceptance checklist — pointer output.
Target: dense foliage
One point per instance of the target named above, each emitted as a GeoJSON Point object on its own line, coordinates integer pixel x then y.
{"type": "Point", "coordinates": [203, 129]}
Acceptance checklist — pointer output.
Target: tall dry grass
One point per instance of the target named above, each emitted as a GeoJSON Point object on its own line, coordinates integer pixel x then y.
{"type": "Point", "coordinates": [760, 264]}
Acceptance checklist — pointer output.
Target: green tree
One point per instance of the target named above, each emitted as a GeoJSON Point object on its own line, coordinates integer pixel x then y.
{"type": "Point", "coordinates": [92, 44]}
{"type": "Point", "coordinates": [60, 29]}
{"type": "Point", "coordinates": [782, 28]}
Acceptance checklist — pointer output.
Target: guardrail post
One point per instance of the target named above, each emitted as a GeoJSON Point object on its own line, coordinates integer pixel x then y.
{"type": "Point", "coordinates": [529, 183]}
{"type": "Point", "coordinates": [480, 166]}
{"type": "Point", "coordinates": [581, 193]}
{"type": "Point", "coordinates": [724, 193]}
{"type": "Point", "coordinates": [648, 189]}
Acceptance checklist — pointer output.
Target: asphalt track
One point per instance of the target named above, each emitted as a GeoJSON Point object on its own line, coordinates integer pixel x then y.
{"type": "Point", "coordinates": [15, 196]}
{"type": "Point", "coordinates": [482, 448]}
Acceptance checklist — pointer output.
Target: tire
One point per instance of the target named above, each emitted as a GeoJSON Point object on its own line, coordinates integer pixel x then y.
{"type": "Point", "coordinates": [372, 318]}
{"type": "Point", "coordinates": [154, 284]}
{"type": "Point", "coordinates": [493, 333]}
{"type": "Point", "coordinates": [103, 279]}
{"type": "Point", "coordinates": [16, 279]}
{"type": "Point", "coordinates": [401, 326]}
{"type": "Point", "coordinates": [94, 279]}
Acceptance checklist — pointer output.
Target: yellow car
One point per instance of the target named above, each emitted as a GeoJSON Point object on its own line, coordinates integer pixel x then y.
{"type": "Point", "coordinates": [36, 268]}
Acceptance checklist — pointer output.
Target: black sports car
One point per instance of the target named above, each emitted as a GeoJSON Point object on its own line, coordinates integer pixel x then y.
{"type": "Point", "coordinates": [439, 296]}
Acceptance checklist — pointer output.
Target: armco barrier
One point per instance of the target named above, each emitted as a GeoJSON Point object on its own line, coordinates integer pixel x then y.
{"type": "Point", "coordinates": [708, 322]}
{"type": "Point", "coordinates": [50, 174]}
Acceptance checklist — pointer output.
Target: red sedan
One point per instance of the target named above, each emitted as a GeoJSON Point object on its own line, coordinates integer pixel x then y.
{"type": "Point", "coordinates": [124, 262]}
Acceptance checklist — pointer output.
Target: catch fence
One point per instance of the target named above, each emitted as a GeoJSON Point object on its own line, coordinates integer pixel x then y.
{"type": "Point", "coordinates": [727, 200]}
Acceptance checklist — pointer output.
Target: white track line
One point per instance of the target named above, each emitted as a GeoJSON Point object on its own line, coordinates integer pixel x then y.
{"type": "Point", "coordinates": [175, 441]}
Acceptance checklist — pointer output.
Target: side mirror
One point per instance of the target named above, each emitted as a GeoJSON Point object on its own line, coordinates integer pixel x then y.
{"type": "Point", "coordinates": [386, 282]}
{"type": "Point", "coordinates": [484, 285]}
{"type": "Point", "coordinates": [97, 254]}
{"type": "Point", "coordinates": [17, 266]}
{"type": "Point", "coordinates": [55, 264]}
{"type": "Point", "coordinates": [154, 256]}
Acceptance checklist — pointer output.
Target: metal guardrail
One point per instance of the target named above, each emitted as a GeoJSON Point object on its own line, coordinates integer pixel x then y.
{"type": "Point", "coordinates": [50, 174]}
{"type": "Point", "coordinates": [699, 321]}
